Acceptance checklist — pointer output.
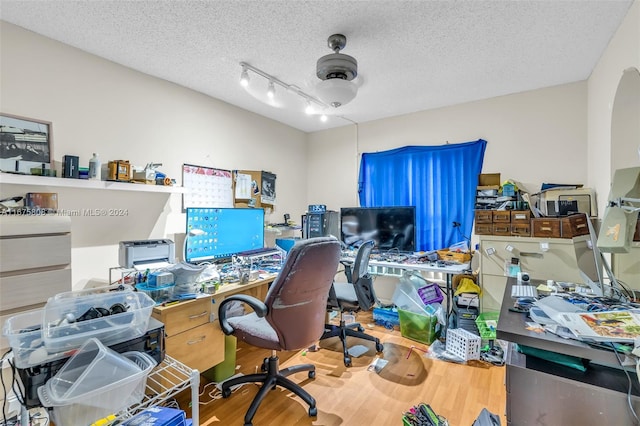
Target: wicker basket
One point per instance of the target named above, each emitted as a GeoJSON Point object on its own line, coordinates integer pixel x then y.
{"type": "Point", "coordinates": [454, 256]}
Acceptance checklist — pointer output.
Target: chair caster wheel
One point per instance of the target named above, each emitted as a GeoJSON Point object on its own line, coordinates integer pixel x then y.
{"type": "Point", "coordinates": [313, 412]}
{"type": "Point", "coordinates": [379, 347]}
{"type": "Point", "coordinates": [347, 362]}
{"type": "Point", "coordinates": [226, 393]}
{"type": "Point", "coordinates": [312, 374]}
{"type": "Point", "coordinates": [248, 424]}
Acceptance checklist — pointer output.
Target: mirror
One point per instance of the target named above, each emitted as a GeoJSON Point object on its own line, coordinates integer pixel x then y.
{"type": "Point", "coordinates": [625, 122]}
{"type": "Point", "coordinates": [24, 144]}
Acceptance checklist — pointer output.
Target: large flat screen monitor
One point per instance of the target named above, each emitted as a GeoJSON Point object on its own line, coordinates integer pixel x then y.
{"type": "Point", "coordinates": [389, 227]}
{"type": "Point", "coordinates": [219, 233]}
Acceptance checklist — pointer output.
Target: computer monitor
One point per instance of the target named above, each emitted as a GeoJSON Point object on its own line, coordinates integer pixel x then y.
{"type": "Point", "coordinates": [389, 227]}
{"type": "Point", "coordinates": [218, 233]}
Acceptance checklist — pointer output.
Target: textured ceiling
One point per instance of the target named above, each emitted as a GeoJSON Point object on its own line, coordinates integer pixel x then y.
{"type": "Point", "coordinates": [412, 55]}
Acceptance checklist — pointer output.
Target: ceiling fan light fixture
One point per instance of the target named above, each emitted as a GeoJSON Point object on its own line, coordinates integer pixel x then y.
{"type": "Point", "coordinates": [336, 91]}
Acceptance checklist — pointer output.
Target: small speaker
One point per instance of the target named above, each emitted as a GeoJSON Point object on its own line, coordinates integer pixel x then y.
{"type": "Point", "coordinates": [70, 166]}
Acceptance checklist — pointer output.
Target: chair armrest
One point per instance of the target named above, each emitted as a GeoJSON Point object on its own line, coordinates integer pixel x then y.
{"type": "Point", "coordinates": [257, 305]}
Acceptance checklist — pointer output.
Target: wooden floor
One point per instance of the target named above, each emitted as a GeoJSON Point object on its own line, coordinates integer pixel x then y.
{"type": "Point", "coordinates": [354, 396]}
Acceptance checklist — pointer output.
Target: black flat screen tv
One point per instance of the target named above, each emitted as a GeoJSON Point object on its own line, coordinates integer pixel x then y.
{"type": "Point", "coordinates": [389, 227]}
{"type": "Point", "coordinates": [219, 233]}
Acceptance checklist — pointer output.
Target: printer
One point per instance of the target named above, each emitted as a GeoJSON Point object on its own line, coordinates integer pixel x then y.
{"type": "Point", "coordinates": [142, 254]}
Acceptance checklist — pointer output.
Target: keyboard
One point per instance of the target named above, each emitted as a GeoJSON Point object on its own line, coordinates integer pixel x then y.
{"type": "Point", "coordinates": [523, 290]}
{"type": "Point", "coordinates": [259, 252]}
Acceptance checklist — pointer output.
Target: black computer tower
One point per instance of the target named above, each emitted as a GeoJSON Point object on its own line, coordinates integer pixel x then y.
{"type": "Point", "coordinates": [321, 224]}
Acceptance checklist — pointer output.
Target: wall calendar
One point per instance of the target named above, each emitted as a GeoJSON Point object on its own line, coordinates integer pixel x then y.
{"type": "Point", "coordinates": [206, 187]}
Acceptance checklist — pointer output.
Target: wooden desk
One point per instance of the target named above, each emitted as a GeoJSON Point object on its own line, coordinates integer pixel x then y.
{"type": "Point", "coordinates": [193, 334]}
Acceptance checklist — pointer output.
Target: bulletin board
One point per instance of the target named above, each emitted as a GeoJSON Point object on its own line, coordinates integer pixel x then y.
{"type": "Point", "coordinates": [206, 187]}
{"type": "Point", "coordinates": [254, 188]}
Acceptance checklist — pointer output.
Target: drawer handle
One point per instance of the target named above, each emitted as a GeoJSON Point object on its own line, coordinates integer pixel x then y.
{"type": "Point", "coordinates": [193, 342]}
{"type": "Point", "coordinates": [530, 254]}
{"type": "Point", "coordinates": [198, 315]}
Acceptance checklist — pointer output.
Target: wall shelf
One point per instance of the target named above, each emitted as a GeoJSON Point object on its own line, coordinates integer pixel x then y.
{"type": "Point", "coordinates": [16, 179]}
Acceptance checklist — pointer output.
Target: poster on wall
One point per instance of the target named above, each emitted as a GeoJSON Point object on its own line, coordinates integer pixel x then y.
{"type": "Point", "coordinates": [24, 143]}
{"type": "Point", "coordinates": [206, 187]}
{"type": "Point", "coordinates": [268, 188]}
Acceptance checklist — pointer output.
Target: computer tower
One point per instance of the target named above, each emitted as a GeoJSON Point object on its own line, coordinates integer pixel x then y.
{"type": "Point", "coordinates": [321, 224]}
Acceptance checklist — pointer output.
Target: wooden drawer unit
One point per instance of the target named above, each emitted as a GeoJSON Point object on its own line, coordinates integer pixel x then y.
{"type": "Point", "coordinates": [502, 229]}
{"type": "Point", "coordinates": [521, 216]}
{"type": "Point", "coordinates": [200, 348]}
{"type": "Point", "coordinates": [574, 226]}
{"type": "Point", "coordinates": [483, 229]}
{"type": "Point", "coordinates": [501, 216]}
{"type": "Point", "coordinates": [548, 227]}
{"type": "Point", "coordinates": [521, 229]}
{"type": "Point", "coordinates": [484, 216]}
{"type": "Point", "coordinates": [184, 315]}
{"type": "Point", "coordinates": [191, 338]}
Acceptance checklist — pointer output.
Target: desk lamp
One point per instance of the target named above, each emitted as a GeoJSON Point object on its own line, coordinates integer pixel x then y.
{"type": "Point", "coordinates": [621, 215]}
{"type": "Point", "coordinates": [192, 233]}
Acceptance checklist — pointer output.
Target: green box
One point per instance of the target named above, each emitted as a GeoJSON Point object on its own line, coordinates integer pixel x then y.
{"type": "Point", "coordinates": [487, 324]}
{"type": "Point", "coordinates": [418, 327]}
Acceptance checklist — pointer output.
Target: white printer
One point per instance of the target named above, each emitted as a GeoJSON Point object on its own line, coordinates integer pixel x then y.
{"type": "Point", "coordinates": [141, 254]}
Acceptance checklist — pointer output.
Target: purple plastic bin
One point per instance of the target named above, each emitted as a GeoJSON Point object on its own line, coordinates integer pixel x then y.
{"type": "Point", "coordinates": [430, 293]}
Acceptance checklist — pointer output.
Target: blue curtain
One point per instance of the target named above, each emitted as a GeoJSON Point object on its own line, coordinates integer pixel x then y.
{"type": "Point", "coordinates": [440, 181]}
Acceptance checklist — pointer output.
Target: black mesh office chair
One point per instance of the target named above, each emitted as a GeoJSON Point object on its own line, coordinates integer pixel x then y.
{"type": "Point", "coordinates": [354, 295]}
{"type": "Point", "coordinates": [290, 318]}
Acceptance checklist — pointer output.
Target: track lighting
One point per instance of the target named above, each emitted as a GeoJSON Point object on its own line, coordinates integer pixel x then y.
{"type": "Point", "coordinates": [312, 105]}
{"type": "Point", "coordinates": [244, 77]}
{"type": "Point", "coordinates": [308, 109]}
{"type": "Point", "coordinates": [271, 91]}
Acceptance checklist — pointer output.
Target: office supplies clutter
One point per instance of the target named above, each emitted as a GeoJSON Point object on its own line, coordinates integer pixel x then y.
{"type": "Point", "coordinates": [95, 382]}
{"type": "Point", "coordinates": [158, 416]}
{"type": "Point", "coordinates": [422, 415]}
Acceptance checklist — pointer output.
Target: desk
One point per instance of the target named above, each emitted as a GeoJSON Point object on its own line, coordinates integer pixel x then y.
{"type": "Point", "coordinates": [449, 271]}
{"type": "Point", "coordinates": [193, 335]}
{"type": "Point", "coordinates": [542, 392]}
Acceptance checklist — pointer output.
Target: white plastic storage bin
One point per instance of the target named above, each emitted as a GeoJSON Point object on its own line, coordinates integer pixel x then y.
{"type": "Point", "coordinates": [94, 383]}
{"type": "Point", "coordinates": [110, 317]}
{"type": "Point", "coordinates": [463, 344]}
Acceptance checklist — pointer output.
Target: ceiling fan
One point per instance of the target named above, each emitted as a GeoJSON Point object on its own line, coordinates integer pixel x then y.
{"type": "Point", "coordinates": [338, 86]}
{"type": "Point", "coordinates": [336, 72]}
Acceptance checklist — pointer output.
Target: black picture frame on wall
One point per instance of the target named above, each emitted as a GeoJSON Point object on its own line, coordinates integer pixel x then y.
{"type": "Point", "coordinates": [24, 143]}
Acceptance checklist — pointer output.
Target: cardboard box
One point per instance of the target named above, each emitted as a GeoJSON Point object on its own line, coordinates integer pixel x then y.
{"type": "Point", "coordinates": [489, 179]}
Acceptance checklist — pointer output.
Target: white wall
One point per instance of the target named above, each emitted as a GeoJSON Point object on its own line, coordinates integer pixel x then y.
{"type": "Point", "coordinates": [98, 106]}
{"type": "Point", "coordinates": [622, 52]}
{"type": "Point", "coordinates": [533, 137]}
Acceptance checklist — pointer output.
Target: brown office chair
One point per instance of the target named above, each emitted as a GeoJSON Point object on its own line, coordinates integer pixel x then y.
{"type": "Point", "coordinates": [290, 318]}
{"type": "Point", "coordinates": [355, 295]}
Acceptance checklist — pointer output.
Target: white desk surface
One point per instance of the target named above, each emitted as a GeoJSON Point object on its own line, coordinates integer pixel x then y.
{"type": "Point", "coordinates": [431, 267]}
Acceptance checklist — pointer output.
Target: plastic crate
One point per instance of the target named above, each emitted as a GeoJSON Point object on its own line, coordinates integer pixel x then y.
{"type": "Point", "coordinates": [421, 328]}
{"type": "Point", "coordinates": [487, 323]}
{"type": "Point", "coordinates": [463, 344]}
{"type": "Point", "coordinates": [386, 317]}
{"type": "Point", "coordinates": [430, 294]}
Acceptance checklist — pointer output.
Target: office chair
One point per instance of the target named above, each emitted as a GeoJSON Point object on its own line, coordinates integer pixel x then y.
{"type": "Point", "coordinates": [290, 318]}
{"type": "Point", "coordinates": [355, 295]}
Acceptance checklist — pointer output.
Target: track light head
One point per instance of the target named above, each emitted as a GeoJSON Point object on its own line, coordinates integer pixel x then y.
{"type": "Point", "coordinates": [244, 77]}
{"type": "Point", "coordinates": [271, 90]}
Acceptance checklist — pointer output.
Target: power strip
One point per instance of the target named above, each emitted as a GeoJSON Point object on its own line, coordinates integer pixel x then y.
{"type": "Point", "coordinates": [219, 385]}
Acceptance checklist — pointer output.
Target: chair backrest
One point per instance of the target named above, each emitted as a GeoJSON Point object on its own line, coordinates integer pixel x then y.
{"type": "Point", "coordinates": [297, 298]}
{"type": "Point", "coordinates": [361, 279]}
